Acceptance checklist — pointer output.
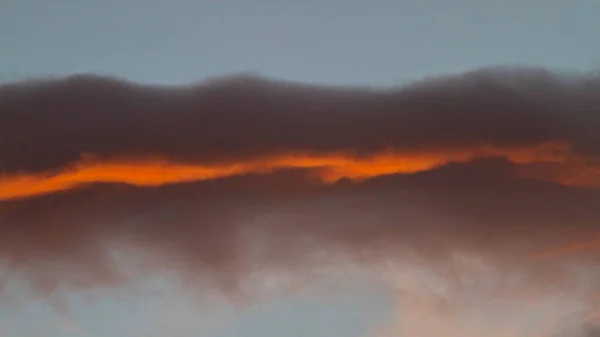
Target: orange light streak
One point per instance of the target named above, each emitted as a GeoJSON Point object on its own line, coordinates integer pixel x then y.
{"type": "Point", "coordinates": [330, 167]}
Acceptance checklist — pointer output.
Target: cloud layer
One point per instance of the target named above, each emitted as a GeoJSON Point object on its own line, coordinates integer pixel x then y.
{"type": "Point", "coordinates": [231, 176]}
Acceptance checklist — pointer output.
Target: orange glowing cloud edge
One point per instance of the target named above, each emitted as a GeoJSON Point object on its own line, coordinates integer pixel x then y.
{"type": "Point", "coordinates": [330, 167]}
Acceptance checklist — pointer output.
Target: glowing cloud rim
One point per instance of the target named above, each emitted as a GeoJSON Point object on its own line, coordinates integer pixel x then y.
{"type": "Point", "coordinates": [574, 170]}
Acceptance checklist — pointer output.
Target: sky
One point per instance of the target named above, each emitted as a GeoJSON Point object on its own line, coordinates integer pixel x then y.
{"type": "Point", "coordinates": [375, 42]}
{"type": "Point", "coordinates": [230, 168]}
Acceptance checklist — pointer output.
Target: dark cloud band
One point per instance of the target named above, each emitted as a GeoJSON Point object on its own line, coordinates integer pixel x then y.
{"type": "Point", "coordinates": [50, 124]}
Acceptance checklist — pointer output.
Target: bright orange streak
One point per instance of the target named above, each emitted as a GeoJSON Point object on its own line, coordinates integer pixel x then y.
{"type": "Point", "coordinates": [330, 166]}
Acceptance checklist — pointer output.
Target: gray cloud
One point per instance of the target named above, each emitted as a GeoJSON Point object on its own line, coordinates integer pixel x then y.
{"type": "Point", "coordinates": [50, 123]}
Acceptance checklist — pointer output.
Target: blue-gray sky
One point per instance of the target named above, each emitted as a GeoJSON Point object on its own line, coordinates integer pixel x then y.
{"type": "Point", "coordinates": [324, 41]}
{"type": "Point", "coordinates": [356, 42]}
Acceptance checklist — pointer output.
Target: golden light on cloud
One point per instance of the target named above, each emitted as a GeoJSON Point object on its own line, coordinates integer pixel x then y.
{"type": "Point", "coordinates": [330, 167]}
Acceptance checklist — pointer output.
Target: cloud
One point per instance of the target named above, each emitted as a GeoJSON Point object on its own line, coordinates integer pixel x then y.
{"type": "Point", "coordinates": [248, 117]}
{"type": "Point", "coordinates": [231, 177]}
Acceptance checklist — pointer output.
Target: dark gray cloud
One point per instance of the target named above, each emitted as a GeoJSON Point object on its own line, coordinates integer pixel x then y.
{"type": "Point", "coordinates": [51, 123]}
